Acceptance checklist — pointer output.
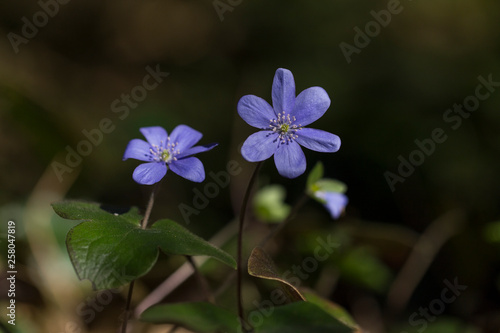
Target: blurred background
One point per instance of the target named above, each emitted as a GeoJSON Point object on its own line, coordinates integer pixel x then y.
{"type": "Point", "coordinates": [73, 68]}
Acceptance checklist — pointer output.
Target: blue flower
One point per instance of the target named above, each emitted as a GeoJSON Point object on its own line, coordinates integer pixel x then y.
{"type": "Point", "coordinates": [163, 152]}
{"type": "Point", "coordinates": [282, 125]}
{"type": "Point", "coordinates": [334, 202]}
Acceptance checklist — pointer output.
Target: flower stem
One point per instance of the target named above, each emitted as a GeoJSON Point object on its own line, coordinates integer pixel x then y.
{"type": "Point", "coordinates": [239, 272]}
{"type": "Point", "coordinates": [302, 200]}
{"type": "Point", "coordinates": [149, 207]}
{"type": "Point", "coordinates": [144, 225]}
{"type": "Point", "coordinates": [127, 306]}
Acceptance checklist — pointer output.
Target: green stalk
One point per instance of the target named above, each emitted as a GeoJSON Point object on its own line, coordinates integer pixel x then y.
{"type": "Point", "coordinates": [144, 225]}
{"type": "Point", "coordinates": [239, 271]}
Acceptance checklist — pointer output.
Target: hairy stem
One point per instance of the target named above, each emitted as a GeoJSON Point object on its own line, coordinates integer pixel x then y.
{"type": "Point", "coordinates": [149, 207]}
{"type": "Point", "coordinates": [239, 271]}
{"type": "Point", "coordinates": [144, 225]}
{"type": "Point", "coordinates": [127, 306]}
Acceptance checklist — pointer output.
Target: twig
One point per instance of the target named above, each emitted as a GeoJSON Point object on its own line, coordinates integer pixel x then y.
{"type": "Point", "coordinates": [420, 258]}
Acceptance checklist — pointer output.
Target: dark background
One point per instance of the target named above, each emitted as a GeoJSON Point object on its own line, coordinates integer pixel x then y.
{"type": "Point", "coordinates": [396, 90]}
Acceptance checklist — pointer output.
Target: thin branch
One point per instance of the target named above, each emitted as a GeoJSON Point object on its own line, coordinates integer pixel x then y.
{"type": "Point", "coordinates": [425, 250]}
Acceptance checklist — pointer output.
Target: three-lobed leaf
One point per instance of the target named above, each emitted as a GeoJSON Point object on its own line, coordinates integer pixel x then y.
{"type": "Point", "coordinates": [333, 309]}
{"type": "Point", "coordinates": [300, 317]}
{"type": "Point", "coordinates": [111, 249]}
{"type": "Point", "coordinates": [200, 317]}
{"type": "Point", "coordinates": [203, 317]}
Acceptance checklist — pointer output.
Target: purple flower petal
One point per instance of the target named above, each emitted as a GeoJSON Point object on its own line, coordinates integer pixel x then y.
{"type": "Point", "coordinates": [255, 111]}
{"type": "Point", "coordinates": [260, 146]}
{"type": "Point", "coordinates": [318, 140]}
{"type": "Point", "coordinates": [196, 150]}
{"type": "Point", "coordinates": [310, 105]}
{"type": "Point", "coordinates": [149, 173]}
{"type": "Point", "coordinates": [190, 168]}
{"type": "Point", "coordinates": [137, 149]}
{"type": "Point", "coordinates": [155, 135]}
{"type": "Point", "coordinates": [290, 160]}
{"type": "Point", "coordinates": [185, 137]}
{"type": "Point", "coordinates": [335, 202]}
{"type": "Point", "coordinates": [283, 91]}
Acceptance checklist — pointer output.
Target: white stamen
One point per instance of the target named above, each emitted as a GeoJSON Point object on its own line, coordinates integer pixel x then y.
{"type": "Point", "coordinates": [285, 127]}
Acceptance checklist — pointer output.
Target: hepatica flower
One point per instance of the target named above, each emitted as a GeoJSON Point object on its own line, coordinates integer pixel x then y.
{"type": "Point", "coordinates": [334, 202]}
{"type": "Point", "coordinates": [162, 152]}
{"type": "Point", "coordinates": [282, 126]}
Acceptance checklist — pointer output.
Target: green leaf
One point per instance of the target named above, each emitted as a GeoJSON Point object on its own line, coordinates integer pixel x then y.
{"type": "Point", "coordinates": [316, 182]}
{"type": "Point", "coordinates": [491, 232]}
{"type": "Point", "coordinates": [200, 317]}
{"type": "Point", "coordinates": [261, 265]}
{"type": "Point", "coordinates": [300, 317]}
{"type": "Point", "coordinates": [88, 211]}
{"type": "Point", "coordinates": [331, 185]}
{"type": "Point", "coordinates": [333, 309]}
{"type": "Point", "coordinates": [360, 266]}
{"type": "Point", "coordinates": [315, 175]}
{"type": "Point", "coordinates": [269, 204]}
{"type": "Point", "coordinates": [111, 250]}
{"type": "Point", "coordinates": [203, 317]}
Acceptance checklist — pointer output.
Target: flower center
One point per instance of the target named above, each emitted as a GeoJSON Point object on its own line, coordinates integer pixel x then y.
{"type": "Point", "coordinates": [285, 127]}
{"type": "Point", "coordinates": [164, 153]}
